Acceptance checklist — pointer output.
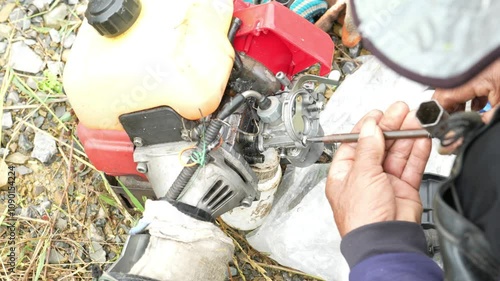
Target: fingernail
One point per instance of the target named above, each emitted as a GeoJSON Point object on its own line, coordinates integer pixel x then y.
{"type": "Point", "coordinates": [369, 128]}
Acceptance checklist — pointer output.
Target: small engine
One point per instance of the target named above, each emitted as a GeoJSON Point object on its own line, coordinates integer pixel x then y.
{"type": "Point", "coordinates": [203, 167]}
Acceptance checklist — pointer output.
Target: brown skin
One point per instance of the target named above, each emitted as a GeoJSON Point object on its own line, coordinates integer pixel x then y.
{"type": "Point", "coordinates": [481, 89]}
{"type": "Point", "coordinates": [376, 180]}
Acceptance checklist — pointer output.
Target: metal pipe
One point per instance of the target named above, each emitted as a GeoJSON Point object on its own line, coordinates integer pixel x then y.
{"type": "Point", "coordinates": [388, 135]}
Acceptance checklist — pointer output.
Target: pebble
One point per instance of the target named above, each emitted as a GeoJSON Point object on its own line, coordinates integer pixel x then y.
{"type": "Point", "coordinates": [22, 58]}
{"type": "Point", "coordinates": [3, 47]}
{"type": "Point", "coordinates": [72, 2]}
{"type": "Point", "coordinates": [61, 224]}
{"type": "Point", "coordinates": [54, 35]}
{"type": "Point", "coordinates": [24, 143]}
{"type": "Point", "coordinates": [17, 158]}
{"type": "Point", "coordinates": [32, 83]}
{"type": "Point", "coordinates": [19, 19]}
{"type": "Point", "coordinates": [234, 271]}
{"type": "Point", "coordinates": [23, 170]}
{"type": "Point", "coordinates": [39, 121]}
{"type": "Point", "coordinates": [60, 110]}
{"type": "Point", "coordinates": [95, 234]}
{"type": "Point", "coordinates": [44, 147]}
{"type": "Point", "coordinates": [55, 257]}
{"type": "Point", "coordinates": [42, 5]}
{"type": "Point", "coordinates": [39, 189]}
{"type": "Point", "coordinates": [4, 175]}
{"type": "Point", "coordinates": [97, 253]}
{"type": "Point", "coordinates": [7, 120]}
{"type": "Point", "coordinates": [65, 54]}
{"type": "Point", "coordinates": [55, 67]}
{"type": "Point", "coordinates": [13, 96]}
{"type": "Point", "coordinates": [69, 40]}
{"type": "Point", "coordinates": [30, 42]}
{"type": "Point", "coordinates": [5, 30]}
{"type": "Point", "coordinates": [56, 16]}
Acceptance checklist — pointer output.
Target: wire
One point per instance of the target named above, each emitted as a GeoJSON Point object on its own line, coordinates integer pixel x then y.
{"type": "Point", "coordinates": [182, 152]}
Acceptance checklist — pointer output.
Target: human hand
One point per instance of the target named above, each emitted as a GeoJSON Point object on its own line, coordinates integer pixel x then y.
{"type": "Point", "coordinates": [481, 89]}
{"type": "Point", "coordinates": [375, 180]}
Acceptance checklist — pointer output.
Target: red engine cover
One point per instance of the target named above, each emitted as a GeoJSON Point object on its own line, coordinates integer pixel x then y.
{"type": "Point", "coordinates": [280, 39]}
{"type": "Point", "coordinates": [271, 33]}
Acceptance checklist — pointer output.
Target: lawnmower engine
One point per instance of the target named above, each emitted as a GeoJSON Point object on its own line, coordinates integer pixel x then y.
{"type": "Point", "coordinates": [205, 150]}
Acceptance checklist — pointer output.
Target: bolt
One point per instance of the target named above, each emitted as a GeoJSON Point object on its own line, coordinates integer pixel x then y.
{"type": "Point", "coordinates": [293, 152]}
{"type": "Point", "coordinates": [247, 202]}
{"type": "Point", "coordinates": [142, 167]}
{"type": "Point", "coordinates": [138, 142]}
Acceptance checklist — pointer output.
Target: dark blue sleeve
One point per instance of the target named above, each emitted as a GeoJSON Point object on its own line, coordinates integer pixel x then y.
{"type": "Point", "coordinates": [393, 250]}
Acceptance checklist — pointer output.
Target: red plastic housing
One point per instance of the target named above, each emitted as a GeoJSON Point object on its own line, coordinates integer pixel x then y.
{"type": "Point", "coordinates": [271, 33]}
{"type": "Point", "coordinates": [280, 39]}
{"type": "Point", "coordinates": [109, 151]}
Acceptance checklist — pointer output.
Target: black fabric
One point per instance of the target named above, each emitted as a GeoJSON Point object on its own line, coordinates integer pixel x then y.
{"type": "Point", "coordinates": [478, 186]}
{"type": "Point", "coordinates": [383, 237]}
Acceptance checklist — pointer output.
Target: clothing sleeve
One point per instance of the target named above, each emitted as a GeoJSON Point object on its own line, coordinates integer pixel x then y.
{"type": "Point", "coordinates": [393, 250]}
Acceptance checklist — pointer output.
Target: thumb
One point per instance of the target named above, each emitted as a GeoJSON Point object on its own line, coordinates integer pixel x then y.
{"type": "Point", "coordinates": [370, 148]}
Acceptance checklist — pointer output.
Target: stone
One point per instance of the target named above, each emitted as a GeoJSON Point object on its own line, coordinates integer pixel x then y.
{"type": "Point", "coordinates": [17, 158]}
{"type": "Point", "coordinates": [348, 67]}
{"type": "Point", "coordinates": [6, 10]}
{"type": "Point", "coordinates": [23, 170]}
{"type": "Point", "coordinates": [5, 31]}
{"type": "Point", "coordinates": [69, 40]}
{"type": "Point", "coordinates": [95, 234]}
{"type": "Point", "coordinates": [61, 224]}
{"type": "Point", "coordinates": [44, 147]}
{"type": "Point", "coordinates": [30, 42]}
{"type": "Point", "coordinates": [39, 189]}
{"type": "Point", "coordinates": [55, 257]}
{"type": "Point", "coordinates": [55, 67]}
{"type": "Point", "coordinates": [24, 143]}
{"type": "Point", "coordinates": [7, 120]}
{"type": "Point", "coordinates": [54, 35]}
{"type": "Point", "coordinates": [72, 2]}
{"type": "Point", "coordinates": [97, 253]}
{"type": "Point", "coordinates": [22, 58]}
{"type": "Point", "coordinates": [56, 16]}
{"type": "Point", "coordinates": [32, 83]}
{"type": "Point", "coordinates": [3, 47]}
{"type": "Point", "coordinates": [19, 19]}
{"type": "Point", "coordinates": [39, 121]}
{"type": "Point", "coordinates": [234, 271]}
{"type": "Point", "coordinates": [13, 96]}
{"type": "Point", "coordinates": [65, 54]}
{"type": "Point", "coordinates": [60, 110]}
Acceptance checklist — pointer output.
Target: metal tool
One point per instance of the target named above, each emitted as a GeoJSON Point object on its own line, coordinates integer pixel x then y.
{"type": "Point", "coordinates": [389, 135]}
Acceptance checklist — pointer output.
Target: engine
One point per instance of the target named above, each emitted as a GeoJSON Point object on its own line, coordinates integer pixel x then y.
{"type": "Point", "coordinates": [271, 103]}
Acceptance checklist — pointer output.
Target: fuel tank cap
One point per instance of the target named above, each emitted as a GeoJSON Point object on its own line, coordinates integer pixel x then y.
{"type": "Point", "coordinates": [112, 17]}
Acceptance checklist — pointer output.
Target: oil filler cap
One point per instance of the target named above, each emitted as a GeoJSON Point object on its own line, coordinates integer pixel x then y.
{"type": "Point", "coordinates": [112, 17]}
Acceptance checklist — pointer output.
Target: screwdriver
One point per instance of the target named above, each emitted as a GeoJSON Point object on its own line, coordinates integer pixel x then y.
{"type": "Point", "coordinates": [388, 135]}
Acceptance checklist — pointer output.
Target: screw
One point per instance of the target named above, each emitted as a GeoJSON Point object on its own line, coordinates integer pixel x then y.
{"type": "Point", "coordinates": [138, 142]}
{"type": "Point", "coordinates": [247, 202]}
{"type": "Point", "coordinates": [293, 152]}
{"type": "Point", "coordinates": [142, 167]}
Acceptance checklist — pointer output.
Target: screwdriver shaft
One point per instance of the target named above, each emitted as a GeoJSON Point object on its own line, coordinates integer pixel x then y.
{"type": "Point", "coordinates": [389, 135]}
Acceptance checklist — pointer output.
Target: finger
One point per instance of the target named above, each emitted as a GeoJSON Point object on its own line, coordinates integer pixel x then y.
{"type": "Point", "coordinates": [344, 157]}
{"type": "Point", "coordinates": [487, 116]}
{"type": "Point", "coordinates": [393, 119]}
{"type": "Point", "coordinates": [408, 154]}
{"type": "Point", "coordinates": [370, 150]}
{"type": "Point", "coordinates": [452, 100]}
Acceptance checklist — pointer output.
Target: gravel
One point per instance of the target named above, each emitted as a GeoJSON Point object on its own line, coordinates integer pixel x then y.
{"type": "Point", "coordinates": [55, 17]}
{"type": "Point", "coordinates": [44, 147]}
{"type": "Point", "coordinates": [7, 120]}
{"type": "Point", "coordinates": [23, 58]}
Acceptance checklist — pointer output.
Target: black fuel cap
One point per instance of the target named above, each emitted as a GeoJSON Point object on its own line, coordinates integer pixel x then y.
{"type": "Point", "coordinates": [112, 17]}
